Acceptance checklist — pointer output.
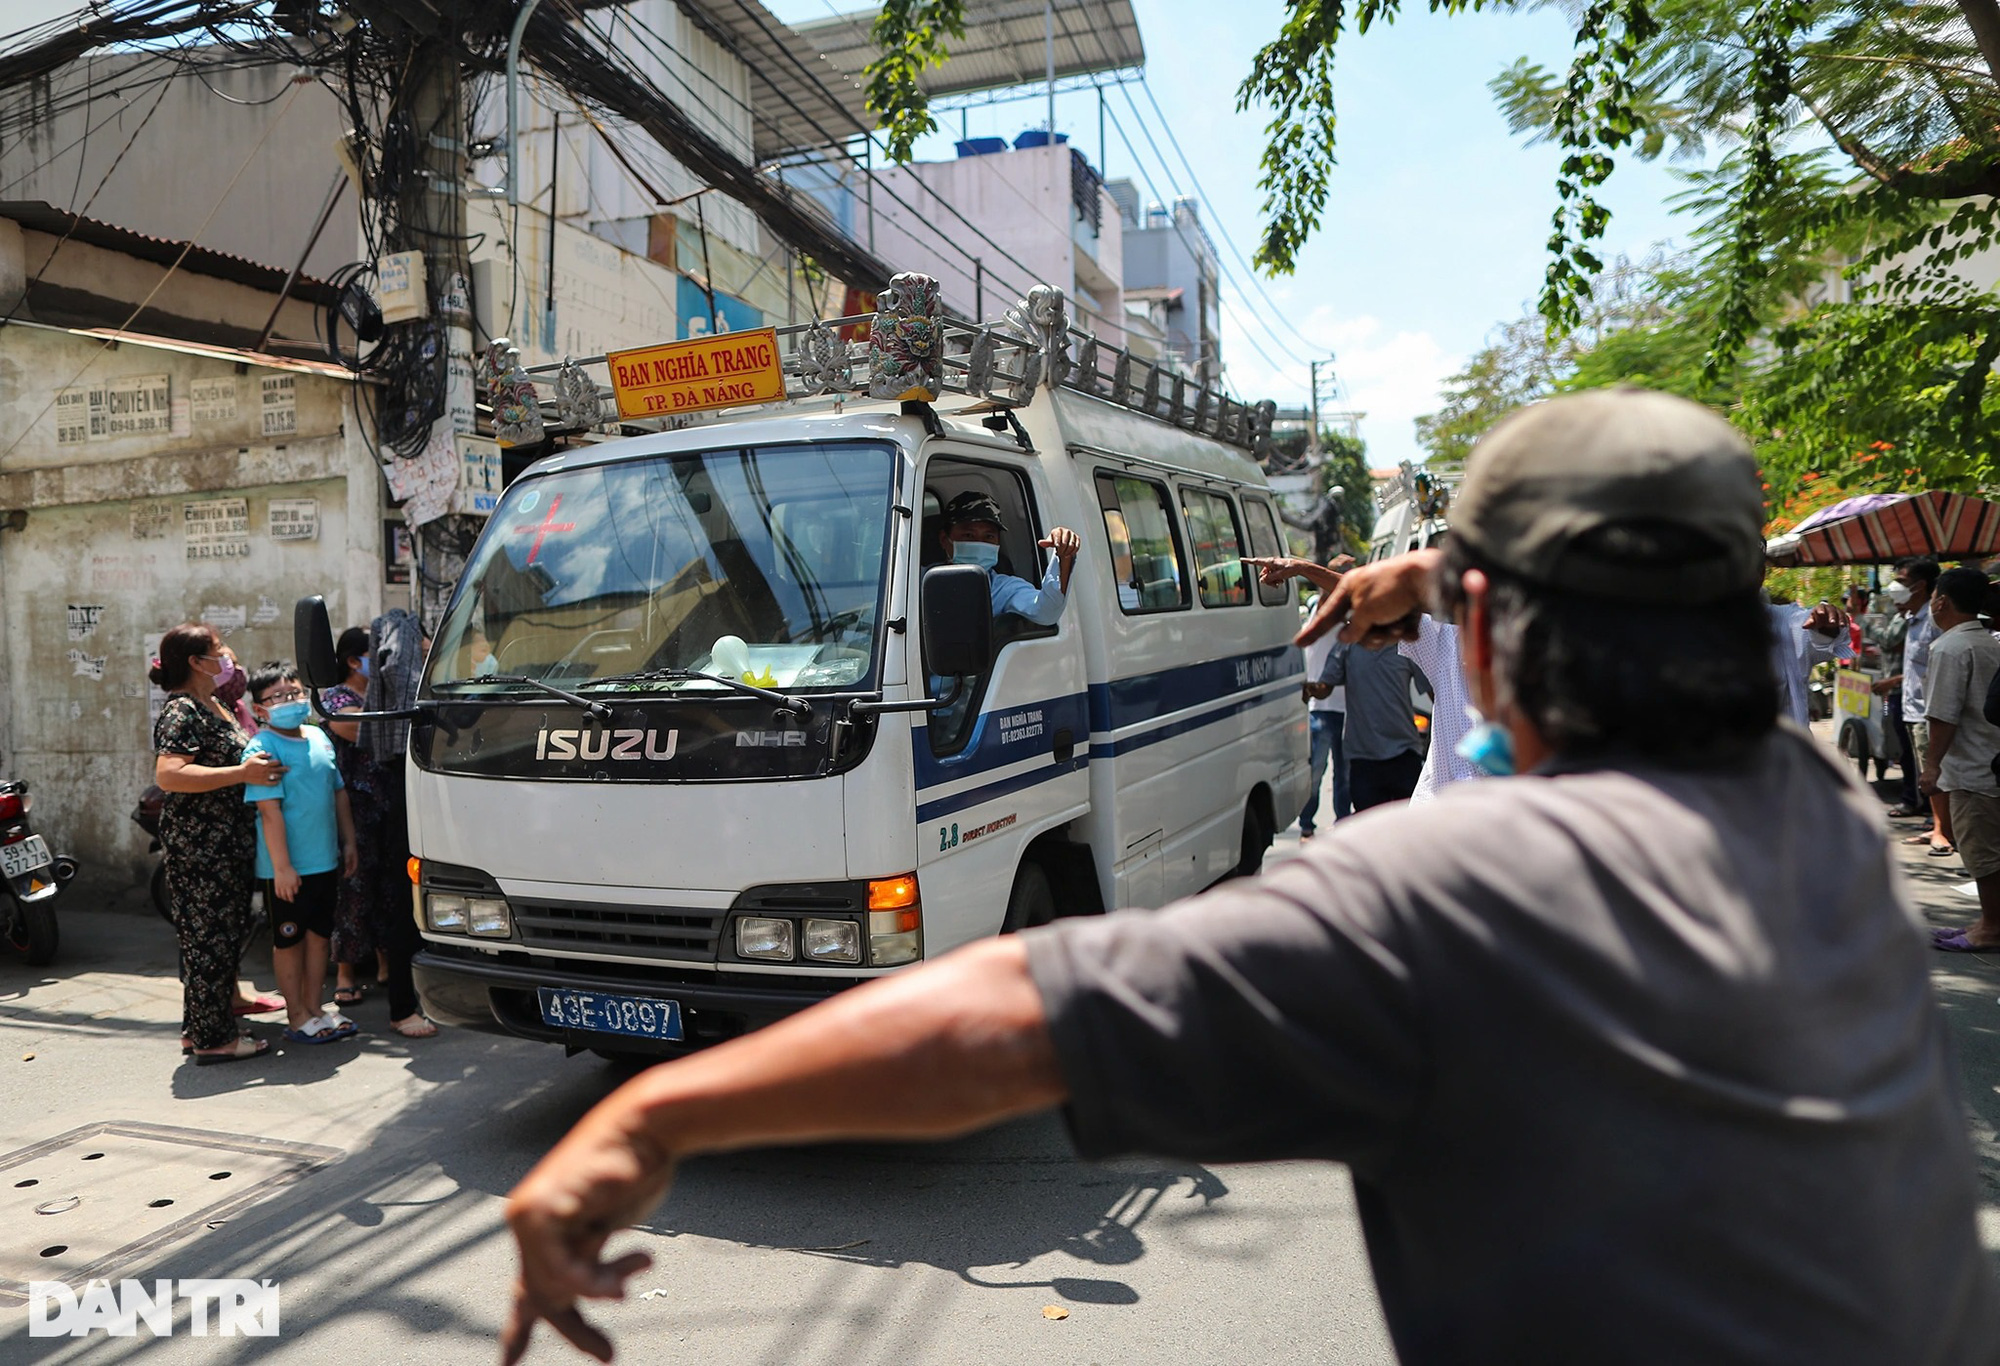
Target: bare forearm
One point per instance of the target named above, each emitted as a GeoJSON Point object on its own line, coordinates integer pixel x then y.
{"type": "Point", "coordinates": [274, 835]}
{"type": "Point", "coordinates": [186, 777]}
{"type": "Point", "coordinates": [937, 1051]}
{"type": "Point", "coordinates": [1942, 734]}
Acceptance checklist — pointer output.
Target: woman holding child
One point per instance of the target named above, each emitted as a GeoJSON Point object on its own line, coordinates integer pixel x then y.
{"type": "Point", "coordinates": [209, 835]}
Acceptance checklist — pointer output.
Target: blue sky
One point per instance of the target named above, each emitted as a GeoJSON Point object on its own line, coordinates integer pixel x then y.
{"type": "Point", "coordinates": [1436, 229]}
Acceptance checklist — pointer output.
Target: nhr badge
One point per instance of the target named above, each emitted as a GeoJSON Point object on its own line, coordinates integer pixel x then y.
{"type": "Point", "coordinates": [701, 373]}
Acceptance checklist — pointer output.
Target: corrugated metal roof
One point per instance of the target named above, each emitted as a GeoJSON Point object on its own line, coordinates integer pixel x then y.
{"type": "Point", "coordinates": [263, 360]}
{"type": "Point", "coordinates": [39, 216]}
{"type": "Point", "coordinates": [797, 98]}
{"type": "Point", "coordinates": [1003, 43]}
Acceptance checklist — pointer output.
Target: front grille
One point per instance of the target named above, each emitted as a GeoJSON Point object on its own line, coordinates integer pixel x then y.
{"type": "Point", "coordinates": [664, 932]}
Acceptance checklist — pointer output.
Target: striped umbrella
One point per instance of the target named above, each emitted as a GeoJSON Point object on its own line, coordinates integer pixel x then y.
{"type": "Point", "coordinates": [1878, 528]}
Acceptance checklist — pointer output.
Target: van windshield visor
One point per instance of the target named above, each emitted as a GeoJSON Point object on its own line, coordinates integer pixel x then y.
{"type": "Point", "coordinates": [765, 564]}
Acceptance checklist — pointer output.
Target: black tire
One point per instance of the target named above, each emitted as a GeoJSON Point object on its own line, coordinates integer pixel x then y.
{"type": "Point", "coordinates": [35, 935]}
{"type": "Point", "coordinates": [1257, 837]}
{"type": "Point", "coordinates": [158, 890]}
{"type": "Point", "coordinates": [1032, 902]}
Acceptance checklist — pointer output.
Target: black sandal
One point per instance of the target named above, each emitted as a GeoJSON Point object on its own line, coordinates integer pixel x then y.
{"type": "Point", "coordinates": [349, 996]}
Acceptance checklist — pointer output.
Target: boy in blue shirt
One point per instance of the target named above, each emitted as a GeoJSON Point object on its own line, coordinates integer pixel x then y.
{"type": "Point", "coordinates": [305, 843]}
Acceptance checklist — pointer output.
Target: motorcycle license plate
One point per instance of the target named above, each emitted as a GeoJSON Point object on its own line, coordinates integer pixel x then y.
{"type": "Point", "coordinates": [24, 856]}
{"type": "Point", "coordinates": [639, 1016]}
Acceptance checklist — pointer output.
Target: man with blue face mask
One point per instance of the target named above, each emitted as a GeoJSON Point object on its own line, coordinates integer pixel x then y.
{"type": "Point", "coordinates": [971, 535]}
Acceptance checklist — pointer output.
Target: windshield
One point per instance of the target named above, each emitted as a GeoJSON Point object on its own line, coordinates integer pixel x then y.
{"type": "Point", "coordinates": [763, 565]}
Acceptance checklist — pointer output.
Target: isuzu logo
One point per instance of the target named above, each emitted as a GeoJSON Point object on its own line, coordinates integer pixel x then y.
{"type": "Point", "coordinates": [770, 739]}
{"type": "Point", "coordinates": [596, 743]}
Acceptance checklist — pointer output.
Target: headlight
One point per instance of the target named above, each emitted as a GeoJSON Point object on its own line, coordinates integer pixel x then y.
{"type": "Point", "coordinates": [764, 937]}
{"type": "Point", "coordinates": [833, 941]}
{"type": "Point", "coordinates": [446, 914]}
{"type": "Point", "coordinates": [488, 918]}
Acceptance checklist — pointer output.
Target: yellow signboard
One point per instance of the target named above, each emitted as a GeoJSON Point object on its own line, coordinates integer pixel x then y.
{"type": "Point", "coordinates": [1851, 693]}
{"type": "Point", "coordinates": [690, 376]}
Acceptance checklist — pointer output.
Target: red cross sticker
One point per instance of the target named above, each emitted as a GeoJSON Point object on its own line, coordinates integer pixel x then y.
{"type": "Point", "coordinates": [544, 527]}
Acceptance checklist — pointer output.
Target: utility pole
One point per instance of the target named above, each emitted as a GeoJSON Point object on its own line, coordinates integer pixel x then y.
{"type": "Point", "coordinates": [1312, 420]}
{"type": "Point", "coordinates": [429, 217]}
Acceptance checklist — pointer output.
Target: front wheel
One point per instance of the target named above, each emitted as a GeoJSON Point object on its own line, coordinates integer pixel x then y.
{"type": "Point", "coordinates": [34, 935]}
{"type": "Point", "coordinates": [1033, 901]}
{"type": "Point", "coordinates": [1256, 839]}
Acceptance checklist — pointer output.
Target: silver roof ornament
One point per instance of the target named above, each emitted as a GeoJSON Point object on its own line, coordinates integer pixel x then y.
{"type": "Point", "coordinates": [823, 360]}
{"type": "Point", "coordinates": [1042, 320]}
{"type": "Point", "coordinates": [577, 401]}
{"type": "Point", "coordinates": [906, 343]}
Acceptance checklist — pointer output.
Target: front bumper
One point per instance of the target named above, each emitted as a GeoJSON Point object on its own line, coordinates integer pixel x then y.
{"type": "Point", "coordinates": [499, 995]}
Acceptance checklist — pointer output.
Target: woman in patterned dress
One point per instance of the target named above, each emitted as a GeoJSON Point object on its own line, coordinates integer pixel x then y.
{"type": "Point", "coordinates": [209, 834]}
{"type": "Point", "coordinates": [357, 923]}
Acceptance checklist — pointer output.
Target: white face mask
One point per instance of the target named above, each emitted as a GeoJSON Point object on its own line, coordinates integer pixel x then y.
{"type": "Point", "coordinates": [1899, 593]}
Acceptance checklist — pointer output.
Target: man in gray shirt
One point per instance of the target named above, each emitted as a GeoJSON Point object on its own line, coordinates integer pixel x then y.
{"type": "Point", "coordinates": [1622, 1074]}
{"type": "Point", "coordinates": [1964, 657]}
{"type": "Point", "coordinates": [1385, 750]}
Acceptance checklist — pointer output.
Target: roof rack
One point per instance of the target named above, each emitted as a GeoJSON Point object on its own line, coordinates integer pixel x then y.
{"type": "Point", "coordinates": [913, 349]}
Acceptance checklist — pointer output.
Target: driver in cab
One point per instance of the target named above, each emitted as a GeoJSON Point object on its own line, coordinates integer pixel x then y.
{"type": "Point", "coordinates": [971, 535]}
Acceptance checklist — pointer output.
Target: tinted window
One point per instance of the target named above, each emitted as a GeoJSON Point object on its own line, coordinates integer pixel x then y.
{"type": "Point", "coordinates": [1265, 541]}
{"type": "Point", "coordinates": [1145, 556]}
{"type": "Point", "coordinates": [1217, 547]}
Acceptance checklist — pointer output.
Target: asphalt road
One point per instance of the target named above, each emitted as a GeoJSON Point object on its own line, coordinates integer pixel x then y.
{"type": "Point", "coordinates": [390, 1249]}
{"type": "Point", "coordinates": [393, 1251]}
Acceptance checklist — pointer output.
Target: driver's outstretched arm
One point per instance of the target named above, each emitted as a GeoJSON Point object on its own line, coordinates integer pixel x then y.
{"type": "Point", "coordinates": [950, 1047]}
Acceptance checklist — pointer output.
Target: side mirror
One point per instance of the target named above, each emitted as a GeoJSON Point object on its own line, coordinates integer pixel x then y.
{"type": "Point", "coordinates": [957, 616]}
{"type": "Point", "coordinates": [312, 644]}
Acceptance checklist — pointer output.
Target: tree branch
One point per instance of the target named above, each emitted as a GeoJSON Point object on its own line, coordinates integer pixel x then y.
{"type": "Point", "coordinates": [1983, 18]}
{"type": "Point", "coordinates": [1960, 179]}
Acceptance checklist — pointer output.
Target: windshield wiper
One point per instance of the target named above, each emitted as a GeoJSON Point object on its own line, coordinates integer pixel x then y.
{"type": "Point", "coordinates": [783, 702]}
{"type": "Point", "coordinates": [596, 709]}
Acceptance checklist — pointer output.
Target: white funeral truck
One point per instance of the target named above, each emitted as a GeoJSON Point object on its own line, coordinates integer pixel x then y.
{"type": "Point", "coordinates": [712, 729]}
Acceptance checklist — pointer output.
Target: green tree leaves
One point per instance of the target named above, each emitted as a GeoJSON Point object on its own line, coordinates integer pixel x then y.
{"type": "Point", "coordinates": [911, 36]}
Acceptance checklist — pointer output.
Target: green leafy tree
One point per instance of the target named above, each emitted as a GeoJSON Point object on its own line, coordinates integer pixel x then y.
{"type": "Point", "coordinates": [910, 38]}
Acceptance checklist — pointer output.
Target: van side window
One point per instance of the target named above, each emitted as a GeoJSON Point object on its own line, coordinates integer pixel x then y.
{"type": "Point", "coordinates": [1264, 542]}
{"type": "Point", "coordinates": [1218, 549]}
{"type": "Point", "coordinates": [1145, 558]}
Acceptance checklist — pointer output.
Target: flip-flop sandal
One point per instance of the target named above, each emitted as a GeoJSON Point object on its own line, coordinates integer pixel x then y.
{"type": "Point", "coordinates": [259, 1005]}
{"type": "Point", "coordinates": [1943, 850]}
{"type": "Point", "coordinates": [348, 996]}
{"type": "Point", "coordinates": [1958, 943]}
{"type": "Point", "coordinates": [246, 1047]}
{"type": "Point", "coordinates": [1945, 932]}
{"type": "Point", "coordinates": [1903, 813]}
{"type": "Point", "coordinates": [420, 1028]}
{"type": "Point", "coordinates": [1921, 837]}
{"type": "Point", "coordinates": [319, 1029]}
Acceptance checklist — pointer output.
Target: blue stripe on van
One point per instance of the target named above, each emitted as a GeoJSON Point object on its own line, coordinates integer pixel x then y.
{"type": "Point", "coordinates": [1105, 749]}
{"type": "Point", "coordinates": [1034, 777]}
{"type": "Point", "coordinates": [1127, 701]}
{"type": "Point", "coordinates": [989, 749]}
{"type": "Point", "coordinates": [1109, 706]}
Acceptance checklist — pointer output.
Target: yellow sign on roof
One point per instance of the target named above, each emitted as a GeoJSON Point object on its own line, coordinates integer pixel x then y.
{"type": "Point", "coordinates": [701, 373]}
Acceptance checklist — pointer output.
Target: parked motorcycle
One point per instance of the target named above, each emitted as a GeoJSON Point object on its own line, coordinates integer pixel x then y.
{"type": "Point", "coordinates": [32, 876]}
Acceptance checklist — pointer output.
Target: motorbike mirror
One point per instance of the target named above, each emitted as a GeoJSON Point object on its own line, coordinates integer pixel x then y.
{"type": "Point", "coordinates": [957, 620]}
{"type": "Point", "coordinates": [312, 644]}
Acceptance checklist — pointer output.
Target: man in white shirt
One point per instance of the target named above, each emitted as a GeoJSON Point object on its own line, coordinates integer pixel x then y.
{"type": "Point", "coordinates": [1963, 744]}
{"type": "Point", "coordinates": [1799, 640]}
{"type": "Point", "coordinates": [1326, 705]}
{"type": "Point", "coordinates": [1915, 579]}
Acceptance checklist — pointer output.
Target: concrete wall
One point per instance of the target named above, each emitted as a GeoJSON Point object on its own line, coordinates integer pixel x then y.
{"type": "Point", "coordinates": [105, 529]}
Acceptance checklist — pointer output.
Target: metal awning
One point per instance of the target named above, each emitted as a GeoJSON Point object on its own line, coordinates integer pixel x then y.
{"type": "Point", "coordinates": [1004, 44]}
{"type": "Point", "coordinates": [1882, 527]}
{"type": "Point", "coordinates": [797, 98]}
